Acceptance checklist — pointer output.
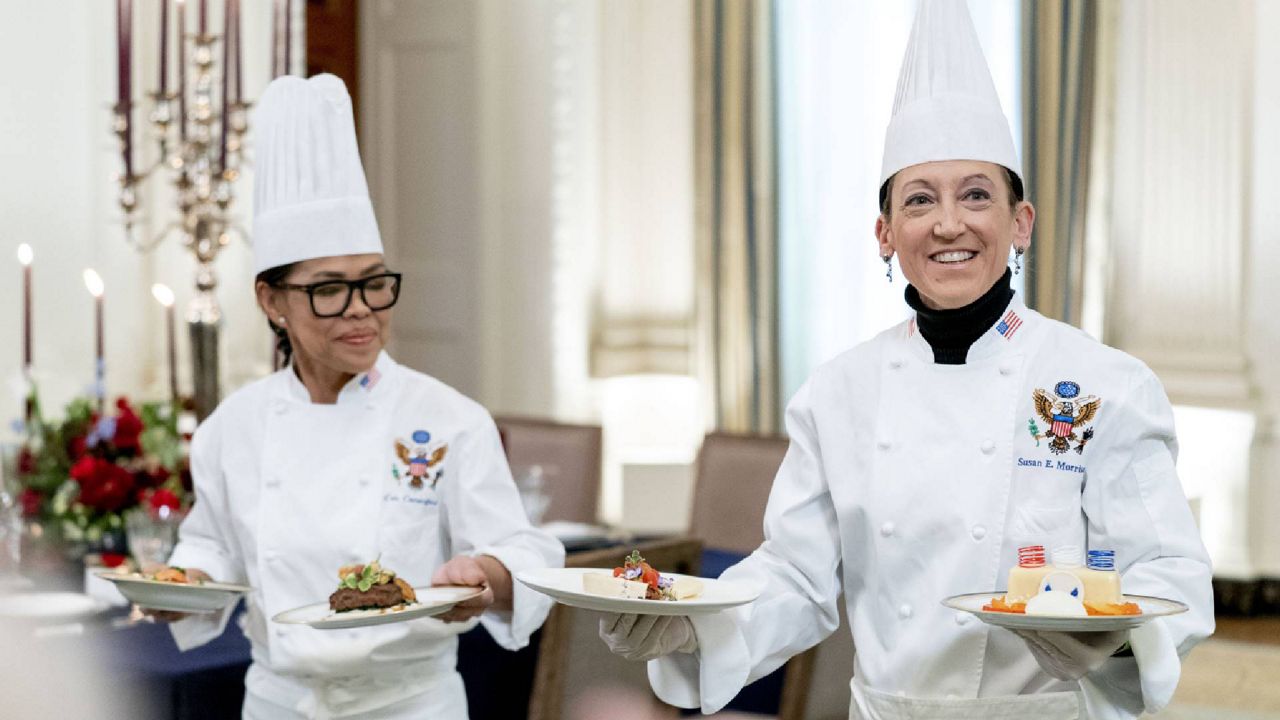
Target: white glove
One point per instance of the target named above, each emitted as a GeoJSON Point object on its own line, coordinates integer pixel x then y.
{"type": "Point", "coordinates": [1072, 655]}
{"type": "Point", "coordinates": [645, 637]}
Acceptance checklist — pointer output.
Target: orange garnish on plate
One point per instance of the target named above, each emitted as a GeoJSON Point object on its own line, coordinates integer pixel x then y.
{"type": "Point", "coordinates": [1104, 609]}
{"type": "Point", "coordinates": [998, 604]}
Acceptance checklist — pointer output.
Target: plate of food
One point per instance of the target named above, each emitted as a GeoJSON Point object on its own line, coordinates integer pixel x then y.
{"type": "Point", "coordinates": [170, 588]}
{"type": "Point", "coordinates": [636, 587]}
{"type": "Point", "coordinates": [1065, 596]}
{"type": "Point", "coordinates": [370, 594]}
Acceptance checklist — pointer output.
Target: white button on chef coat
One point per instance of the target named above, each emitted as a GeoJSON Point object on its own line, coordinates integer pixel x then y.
{"type": "Point", "coordinates": [884, 444]}
{"type": "Point", "coordinates": [904, 611]}
{"type": "Point", "coordinates": [988, 447]}
{"type": "Point", "coordinates": [978, 532]}
{"type": "Point", "coordinates": [963, 618]}
{"type": "Point", "coordinates": [886, 529]}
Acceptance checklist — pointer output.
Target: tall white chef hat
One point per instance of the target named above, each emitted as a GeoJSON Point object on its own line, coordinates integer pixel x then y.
{"type": "Point", "coordinates": [946, 107]}
{"type": "Point", "coordinates": [310, 198]}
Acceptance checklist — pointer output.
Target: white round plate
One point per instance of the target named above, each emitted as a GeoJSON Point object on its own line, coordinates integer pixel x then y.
{"type": "Point", "coordinates": [1152, 607]}
{"type": "Point", "coordinates": [431, 601]}
{"type": "Point", "coordinates": [49, 606]}
{"type": "Point", "coordinates": [178, 597]}
{"type": "Point", "coordinates": [565, 585]}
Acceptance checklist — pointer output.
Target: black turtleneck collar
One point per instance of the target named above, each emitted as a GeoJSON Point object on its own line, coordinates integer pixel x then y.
{"type": "Point", "coordinates": [952, 332]}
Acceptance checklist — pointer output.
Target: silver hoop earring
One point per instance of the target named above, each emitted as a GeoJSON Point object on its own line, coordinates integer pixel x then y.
{"type": "Point", "coordinates": [1017, 260]}
{"type": "Point", "coordinates": [888, 267]}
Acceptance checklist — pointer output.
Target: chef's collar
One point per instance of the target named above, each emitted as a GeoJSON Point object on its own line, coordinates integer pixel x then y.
{"type": "Point", "coordinates": [362, 387]}
{"type": "Point", "coordinates": [951, 333]}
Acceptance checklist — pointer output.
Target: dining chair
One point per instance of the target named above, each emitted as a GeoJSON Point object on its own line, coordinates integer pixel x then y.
{"type": "Point", "coordinates": [568, 456]}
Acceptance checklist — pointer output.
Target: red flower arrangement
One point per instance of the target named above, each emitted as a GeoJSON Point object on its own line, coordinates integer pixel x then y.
{"type": "Point", "coordinates": [82, 474]}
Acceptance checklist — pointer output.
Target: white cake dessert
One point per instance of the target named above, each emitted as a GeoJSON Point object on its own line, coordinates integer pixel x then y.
{"type": "Point", "coordinates": [602, 583]}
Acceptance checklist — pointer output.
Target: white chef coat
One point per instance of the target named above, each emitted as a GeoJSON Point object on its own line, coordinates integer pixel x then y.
{"type": "Point", "coordinates": [287, 491]}
{"type": "Point", "coordinates": [907, 482]}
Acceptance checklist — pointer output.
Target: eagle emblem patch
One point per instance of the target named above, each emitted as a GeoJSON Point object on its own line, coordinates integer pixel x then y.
{"type": "Point", "coordinates": [1064, 411]}
{"type": "Point", "coordinates": [421, 460]}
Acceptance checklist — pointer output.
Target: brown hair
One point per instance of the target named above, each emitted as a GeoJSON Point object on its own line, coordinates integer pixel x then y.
{"type": "Point", "coordinates": [1011, 181]}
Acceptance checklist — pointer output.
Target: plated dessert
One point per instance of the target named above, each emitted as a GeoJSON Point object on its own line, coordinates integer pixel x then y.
{"type": "Point", "coordinates": [637, 580]}
{"type": "Point", "coordinates": [1064, 588]}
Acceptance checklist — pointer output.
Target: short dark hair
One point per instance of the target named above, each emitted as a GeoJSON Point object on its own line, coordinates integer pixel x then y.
{"type": "Point", "coordinates": [1011, 181]}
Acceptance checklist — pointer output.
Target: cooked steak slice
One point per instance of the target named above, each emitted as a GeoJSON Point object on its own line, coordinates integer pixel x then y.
{"type": "Point", "coordinates": [378, 596]}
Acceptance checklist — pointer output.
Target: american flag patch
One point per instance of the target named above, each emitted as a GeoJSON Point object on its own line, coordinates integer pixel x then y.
{"type": "Point", "coordinates": [370, 379]}
{"type": "Point", "coordinates": [1009, 324]}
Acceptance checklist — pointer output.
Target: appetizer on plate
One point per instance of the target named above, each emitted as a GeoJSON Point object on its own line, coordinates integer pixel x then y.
{"type": "Point", "coordinates": [637, 580]}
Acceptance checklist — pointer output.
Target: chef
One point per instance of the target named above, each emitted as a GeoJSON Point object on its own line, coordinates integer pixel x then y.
{"type": "Point", "coordinates": [345, 456]}
{"type": "Point", "coordinates": [921, 460]}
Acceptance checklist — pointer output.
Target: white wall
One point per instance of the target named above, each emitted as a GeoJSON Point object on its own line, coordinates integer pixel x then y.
{"type": "Point", "coordinates": [57, 194]}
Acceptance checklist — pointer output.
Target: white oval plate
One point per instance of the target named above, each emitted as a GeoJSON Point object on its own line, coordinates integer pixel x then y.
{"type": "Point", "coordinates": [178, 597]}
{"type": "Point", "coordinates": [565, 585]}
{"type": "Point", "coordinates": [1152, 607]}
{"type": "Point", "coordinates": [431, 601]}
{"type": "Point", "coordinates": [49, 606]}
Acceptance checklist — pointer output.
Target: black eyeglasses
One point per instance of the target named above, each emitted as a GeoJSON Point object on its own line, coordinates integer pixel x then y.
{"type": "Point", "coordinates": [331, 298]}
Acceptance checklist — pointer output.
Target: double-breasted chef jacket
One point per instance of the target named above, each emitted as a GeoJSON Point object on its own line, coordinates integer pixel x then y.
{"type": "Point", "coordinates": [287, 491]}
{"type": "Point", "coordinates": [907, 482]}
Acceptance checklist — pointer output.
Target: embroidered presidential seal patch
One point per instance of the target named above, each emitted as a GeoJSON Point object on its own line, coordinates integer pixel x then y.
{"type": "Point", "coordinates": [421, 460]}
{"type": "Point", "coordinates": [1065, 411]}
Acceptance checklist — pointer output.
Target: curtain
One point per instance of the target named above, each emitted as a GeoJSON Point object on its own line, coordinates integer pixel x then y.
{"type": "Point", "coordinates": [1059, 60]}
{"type": "Point", "coordinates": [735, 217]}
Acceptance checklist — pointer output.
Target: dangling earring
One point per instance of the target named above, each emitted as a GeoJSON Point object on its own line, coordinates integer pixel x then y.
{"type": "Point", "coordinates": [888, 267]}
{"type": "Point", "coordinates": [1017, 260]}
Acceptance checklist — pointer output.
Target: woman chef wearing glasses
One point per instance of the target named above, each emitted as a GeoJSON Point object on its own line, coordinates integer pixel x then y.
{"type": "Point", "coordinates": [345, 456]}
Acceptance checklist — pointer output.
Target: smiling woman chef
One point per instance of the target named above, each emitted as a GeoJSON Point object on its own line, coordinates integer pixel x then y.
{"type": "Point", "coordinates": [344, 456]}
{"type": "Point", "coordinates": [912, 475]}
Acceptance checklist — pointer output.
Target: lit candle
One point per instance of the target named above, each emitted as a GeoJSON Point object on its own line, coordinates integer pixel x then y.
{"type": "Point", "coordinates": [25, 256]}
{"type": "Point", "coordinates": [93, 282]}
{"type": "Point", "coordinates": [164, 46]}
{"type": "Point", "coordinates": [164, 296]}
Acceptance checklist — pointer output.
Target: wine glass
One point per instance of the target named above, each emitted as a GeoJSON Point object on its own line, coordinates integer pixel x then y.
{"type": "Point", "coordinates": [151, 534]}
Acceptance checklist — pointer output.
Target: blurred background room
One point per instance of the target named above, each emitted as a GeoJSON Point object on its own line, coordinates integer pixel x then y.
{"type": "Point", "coordinates": [626, 227]}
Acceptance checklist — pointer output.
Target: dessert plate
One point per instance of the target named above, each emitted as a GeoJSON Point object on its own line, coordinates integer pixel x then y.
{"type": "Point", "coordinates": [1152, 607]}
{"type": "Point", "coordinates": [431, 601]}
{"type": "Point", "coordinates": [198, 597]}
{"type": "Point", "coordinates": [565, 585]}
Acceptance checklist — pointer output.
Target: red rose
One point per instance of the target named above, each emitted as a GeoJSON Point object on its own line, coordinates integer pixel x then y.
{"type": "Point", "coordinates": [30, 499]}
{"type": "Point", "coordinates": [128, 427]}
{"type": "Point", "coordinates": [164, 497]}
{"type": "Point", "coordinates": [77, 446]}
{"type": "Point", "coordinates": [103, 485]}
{"type": "Point", "coordinates": [26, 461]}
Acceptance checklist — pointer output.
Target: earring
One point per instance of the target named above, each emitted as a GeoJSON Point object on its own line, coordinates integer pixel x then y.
{"type": "Point", "coordinates": [1017, 260]}
{"type": "Point", "coordinates": [888, 267]}
{"type": "Point", "coordinates": [280, 320]}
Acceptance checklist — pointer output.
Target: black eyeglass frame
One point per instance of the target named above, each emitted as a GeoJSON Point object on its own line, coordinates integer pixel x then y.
{"type": "Point", "coordinates": [352, 286]}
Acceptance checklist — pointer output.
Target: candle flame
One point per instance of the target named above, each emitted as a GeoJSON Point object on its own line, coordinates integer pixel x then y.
{"type": "Point", "coordinates": [25, 255]}
{"type": "Point", "coordinates": [162, 294]}
{"type": "Point", "coordinates": [93, 281]}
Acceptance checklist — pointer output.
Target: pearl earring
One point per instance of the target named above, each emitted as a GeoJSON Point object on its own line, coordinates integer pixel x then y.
{"type": "Point", "coordinates": [280, 320]}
